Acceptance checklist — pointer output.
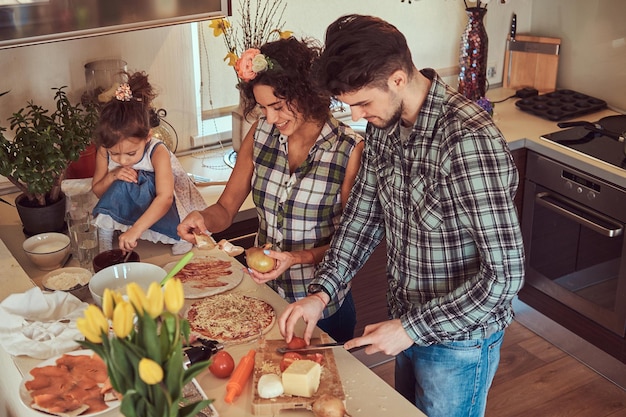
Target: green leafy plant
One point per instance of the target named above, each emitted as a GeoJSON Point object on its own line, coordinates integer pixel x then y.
{"type": "Point", "coordinates": [44, 144]}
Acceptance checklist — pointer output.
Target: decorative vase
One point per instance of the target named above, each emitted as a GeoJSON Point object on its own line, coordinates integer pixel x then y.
{"type": "Point", "coordinates": [473, 56]}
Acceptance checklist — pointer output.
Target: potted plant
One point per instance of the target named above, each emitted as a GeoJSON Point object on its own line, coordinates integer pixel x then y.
{"type": "Point", "coordinates": [36, 159]}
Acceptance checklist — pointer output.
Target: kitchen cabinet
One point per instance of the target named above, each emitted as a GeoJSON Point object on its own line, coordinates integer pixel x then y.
{"type": "Point", "coordinates": [519, 156]}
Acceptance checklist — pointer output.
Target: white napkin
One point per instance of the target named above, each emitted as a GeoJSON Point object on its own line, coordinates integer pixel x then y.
{"type": "Point", "coordinates": [40, 324]}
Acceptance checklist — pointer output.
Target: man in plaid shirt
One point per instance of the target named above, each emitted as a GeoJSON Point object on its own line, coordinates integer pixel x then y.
{"type": "Point", "coordinates": [437, 181]}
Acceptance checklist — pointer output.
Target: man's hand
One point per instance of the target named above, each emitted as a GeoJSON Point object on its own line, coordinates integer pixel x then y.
{"type": "Point", "coordinates": [309, 309]}
{"type": "Point", "coordinates": [388, 337]}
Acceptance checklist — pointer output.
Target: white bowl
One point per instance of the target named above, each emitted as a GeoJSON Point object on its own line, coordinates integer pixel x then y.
{"type": "Point", "coordinates": [47, 250]}
{"type": "Point", "coordinates": [73, 280]}
{"type": "Point", "coordinates": [115, 277]}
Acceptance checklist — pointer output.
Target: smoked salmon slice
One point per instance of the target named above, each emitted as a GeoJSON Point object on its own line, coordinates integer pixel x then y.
{"type": "Point", "coordinates": [75, 382]}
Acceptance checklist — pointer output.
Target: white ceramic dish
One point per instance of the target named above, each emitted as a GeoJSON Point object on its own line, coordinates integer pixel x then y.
{"type": "Point", "coordinates": [27, 400]}
{"type": "Point", "coordinates": [116, 277]}
{"type": "Point", "coordinates": [225, 273]}
{"type": "Point", "coordinates": [48, 251]}
{"type": "Point", "coordinates": [74, 280]}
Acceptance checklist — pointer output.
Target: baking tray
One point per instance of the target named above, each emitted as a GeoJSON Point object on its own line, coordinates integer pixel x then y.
{"type": "Point", "coordinates": [561, 105]}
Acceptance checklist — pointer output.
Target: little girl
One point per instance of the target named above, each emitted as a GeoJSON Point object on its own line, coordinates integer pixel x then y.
{"type": "Point", "coordinates": [143, 189]}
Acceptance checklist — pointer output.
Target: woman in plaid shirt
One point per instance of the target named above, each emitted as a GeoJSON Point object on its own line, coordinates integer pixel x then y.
{"type": "Point", "coordinates": [299, 162]}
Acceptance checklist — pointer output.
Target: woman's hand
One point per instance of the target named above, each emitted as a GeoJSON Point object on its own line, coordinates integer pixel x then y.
{"type": "Point", "coordinates": [284, 261]}
{"type": "Point", "coordinates": [193, 222]}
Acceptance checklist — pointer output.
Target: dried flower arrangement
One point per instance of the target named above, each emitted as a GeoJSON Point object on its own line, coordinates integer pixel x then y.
{"type": "Point", "coordinates": [260, 22]}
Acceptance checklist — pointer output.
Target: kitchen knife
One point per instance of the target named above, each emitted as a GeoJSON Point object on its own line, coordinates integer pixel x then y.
{"type": "Point", "coordinates": [512, 34]}
{"type": "Point", "coordinates": [310, 347]}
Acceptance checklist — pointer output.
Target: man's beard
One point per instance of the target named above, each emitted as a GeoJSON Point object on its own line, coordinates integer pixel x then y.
{"type": "Point", "coordinates": [392, 121]}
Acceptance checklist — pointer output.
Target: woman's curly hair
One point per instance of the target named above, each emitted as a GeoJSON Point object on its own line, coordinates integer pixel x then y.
{"type": "Point", "coordinates": [290, 78]}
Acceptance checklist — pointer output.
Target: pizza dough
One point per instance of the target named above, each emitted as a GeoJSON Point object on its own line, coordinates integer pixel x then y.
{"type": "Point", "coordinates": [231, 318]}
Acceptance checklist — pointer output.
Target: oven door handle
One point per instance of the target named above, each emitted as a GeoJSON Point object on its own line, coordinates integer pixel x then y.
{"type": "Point", "coordinates": [580, 214]}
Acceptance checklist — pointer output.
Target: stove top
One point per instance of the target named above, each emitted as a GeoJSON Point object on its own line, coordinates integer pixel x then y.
{"type": "Point", "coordinates": [596, 145]}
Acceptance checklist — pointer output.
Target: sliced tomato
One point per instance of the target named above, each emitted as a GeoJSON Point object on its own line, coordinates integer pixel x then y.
{"type": "Point", "coordinates": [296, 343]}
{"type": "Point", "coordinates": [315, 357]}
{"type": "Point", "coordinates": [288, 359]}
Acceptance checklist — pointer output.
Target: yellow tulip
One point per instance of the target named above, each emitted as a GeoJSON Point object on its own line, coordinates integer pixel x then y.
{"type": "Point", "coordinates": [110, 299]}
{"type": "Point", "coordinates": [219, 26]}
{"type": "Point", "coordinates": [154, 306]}
{"type": "Point", "coordinates": [137, 296]}
{"type": "Point", "coordinates": [123, 317]}
{"type": "Point", "coordinates": [91, 334]}
{"type": "Point", "coordinates": [150, 372]}
{"type": "Point", "coordinates": [174, 295]}
{"type": "Point", "coordinates": [108, 303]}
{"type": "Point", "coordinates": [93, 324]}
{"type": "Point", "coordinates": [232, 58]}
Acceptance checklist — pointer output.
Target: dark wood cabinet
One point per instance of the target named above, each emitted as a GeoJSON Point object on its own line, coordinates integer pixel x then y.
{"type": "Point", "coordinates": [519, 156]}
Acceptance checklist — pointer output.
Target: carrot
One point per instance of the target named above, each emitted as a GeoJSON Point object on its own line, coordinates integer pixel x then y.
{"type": "Point", "coordinates": [240, 376]}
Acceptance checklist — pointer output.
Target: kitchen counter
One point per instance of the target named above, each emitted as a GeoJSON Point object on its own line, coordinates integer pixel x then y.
{"type": "Point", "coordinates": [524, 130]}
{"type": "Point", "coordinates": [366, 393]}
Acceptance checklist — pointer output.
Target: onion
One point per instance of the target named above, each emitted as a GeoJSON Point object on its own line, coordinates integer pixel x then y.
{"type": "Point", "coordinates": [270, 386]}
{"type": "Point", "coordinates": [328, 406]}
{"type": "Point", "coordinates": [257, 260]}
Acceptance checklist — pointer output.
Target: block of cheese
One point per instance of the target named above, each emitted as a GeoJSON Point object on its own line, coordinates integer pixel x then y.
{"type": "Point", "coordinates": [302, 378]}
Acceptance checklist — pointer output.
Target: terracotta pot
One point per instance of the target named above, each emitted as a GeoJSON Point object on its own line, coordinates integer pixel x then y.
{"type": "Point", "coordinates": [85, 166]}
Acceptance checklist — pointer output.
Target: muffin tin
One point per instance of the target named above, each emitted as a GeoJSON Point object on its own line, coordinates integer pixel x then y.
{"type": "Point", "coordinates": [561, 105]}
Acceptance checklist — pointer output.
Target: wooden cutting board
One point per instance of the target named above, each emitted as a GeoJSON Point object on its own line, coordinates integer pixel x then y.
{"type": "Point", "coordinates": [267, 360]}
{"type": "Point", "coordinates": [531, 61]}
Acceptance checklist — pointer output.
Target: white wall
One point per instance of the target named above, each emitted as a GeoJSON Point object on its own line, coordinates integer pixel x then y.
{"type": "Point", "coordinates": [164, 53]}
{"type": "Point", "coordinates": [593, 45]}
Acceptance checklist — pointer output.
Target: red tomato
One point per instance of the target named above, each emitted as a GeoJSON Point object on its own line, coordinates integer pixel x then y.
{"type": "Point", "coordinates": [288, 359]}
{"type": "Point", "coordinates": [315, 357]}
{"type": "Point", "coordinates": [296, 343]}
{"type": "Point", "coordinates": [222, 364]}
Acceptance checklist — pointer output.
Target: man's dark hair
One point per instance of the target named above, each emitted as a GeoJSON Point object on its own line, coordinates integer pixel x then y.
{"type": "Point", "coordinates": [361, 51]}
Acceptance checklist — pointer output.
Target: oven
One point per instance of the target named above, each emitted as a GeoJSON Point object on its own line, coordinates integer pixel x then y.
{"type": "Point", "coordinates": [573, 227]}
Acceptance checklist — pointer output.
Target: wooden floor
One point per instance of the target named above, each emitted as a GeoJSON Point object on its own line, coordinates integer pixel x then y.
{"type": "Point", "coordinates": [537, 379]}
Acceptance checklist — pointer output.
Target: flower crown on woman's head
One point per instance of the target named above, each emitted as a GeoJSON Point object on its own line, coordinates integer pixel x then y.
{"type": "Point", "coordinates": [253, 62]}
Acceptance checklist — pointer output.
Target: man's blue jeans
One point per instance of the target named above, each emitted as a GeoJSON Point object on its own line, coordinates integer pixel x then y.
{"type": "Point", "coordinates": [451, 379]}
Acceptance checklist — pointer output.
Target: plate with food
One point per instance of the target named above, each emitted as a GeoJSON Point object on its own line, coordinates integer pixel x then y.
{"type": "Point", "coordinates": [209, 274]}
{"type": "Point", "coordinates": [231, 318]}
{"type": "Point", "coordinates": [74, 383]}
